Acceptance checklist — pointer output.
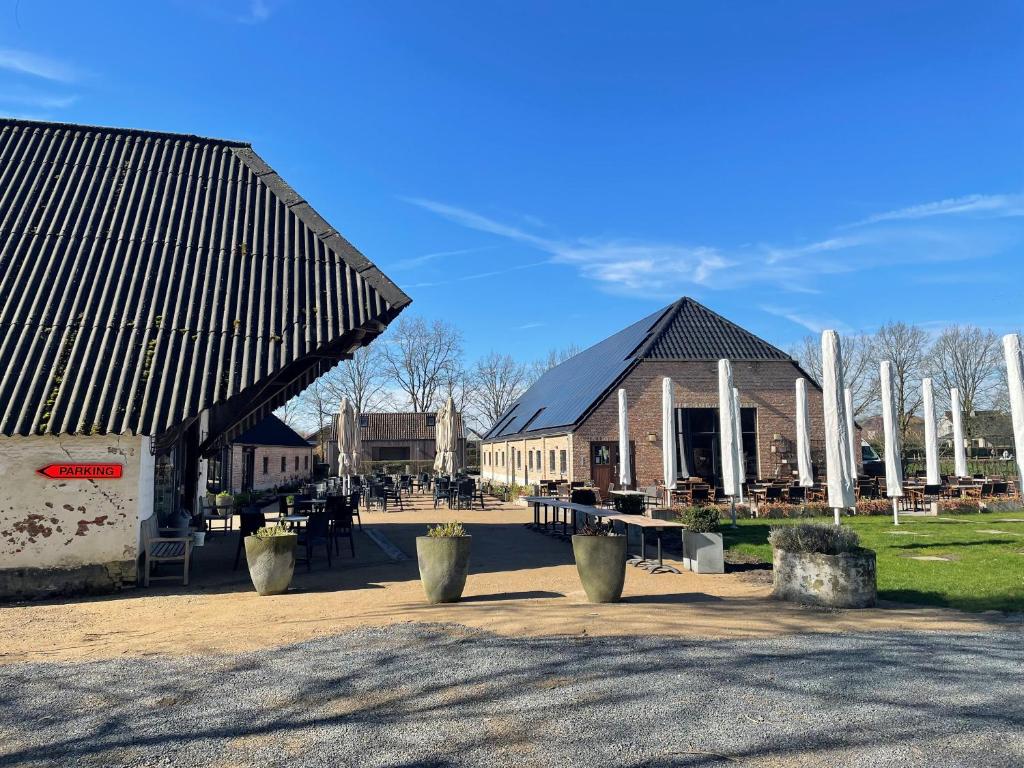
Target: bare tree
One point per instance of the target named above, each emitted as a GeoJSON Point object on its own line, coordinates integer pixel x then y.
{"type": "Point", "coordinates": [420, 357]}
{"type": "Point", "coordinates": [968, 359]}
{"type": "Point", "coordinates": [317, 406]}
{"type": "Point", "coordinates": [553, 358]}
{"type": "Point", "coordinates": [904, 347]}
{"type": "Point", "coordinates": [860, 368]}
{"type": "Point", "coordinates": [498, 381]}
{"type": "Point", "coordinates": [290, 413]}
{"type": "Point", "coordinates": [362, 379]}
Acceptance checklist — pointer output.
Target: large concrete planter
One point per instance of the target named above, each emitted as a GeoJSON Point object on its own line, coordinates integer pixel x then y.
{"type": "Point", "coordinates": [444, 565]}
{"type": "Point", "coordinates": [601, 564]}
{"type": "Point", "coordinates": [838, 581]}
{"type": "Point", "coordinates": [271, 562]}
{"type": "Point", "coordinates": [703, 552]}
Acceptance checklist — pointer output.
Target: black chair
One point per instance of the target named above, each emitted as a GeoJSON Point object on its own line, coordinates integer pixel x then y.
{"type": "Point", "coordinates": [377, 497]}
{"type": "Point", "coordinates": [797, 494]}
{"type": "Point", "coordinates": [251, 519]}
{"type": "Point", "coordinates": [353, 504]}
{"type": "Point", "coordinates": [441, 492]}
{"type": "Point", "coordinates": [317, 530]}
{"type": "Point", "coordinates": [340, 514]}
{"type": "Point", "coordinates": [700, 494]}
{"type": "Point", "coordinates": [772, 493]}
{"type": "Point", "coordinates": [393, 494]}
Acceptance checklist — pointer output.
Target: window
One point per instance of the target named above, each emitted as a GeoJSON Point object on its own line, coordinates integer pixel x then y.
{"type": "Point", "coordinates": [431, 419]}
{"type": "Point", "coordinates": [296, 463]}
{"type": "Point", "coordinates": [697, 431]}
{"type": "Point", "coordinates": [284, 466]}
{"type": "Point", "coordinates": [561, 460]}
{"type": "Point", "coordinates": [364, 420]}
{"type": "Point", "coordinates": [531, 459]}
{"type": "Point", "coordinates": [519, 459]}
{"type": "Point", "coordinates": [540, 460]}
{"type": "Point", "coordinates": [503, 458]}
{"type": "Point", "coordinates": [551, 460]}
{"type": "Point", "coordinates": [305, 462]}
{"type": "Point", "coordinates": [266, 464]}
{"type": "Point", "coordinates": [393, 453]}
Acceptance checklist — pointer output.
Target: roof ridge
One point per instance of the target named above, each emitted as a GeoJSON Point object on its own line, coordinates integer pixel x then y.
{"type": "Point", "coordinates": [47, 124]}
{"type": "Point", "coordinates": [658, 329]}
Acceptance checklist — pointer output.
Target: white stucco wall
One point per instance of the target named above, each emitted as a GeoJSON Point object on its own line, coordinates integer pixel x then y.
{"type": "Point", "coordinates": [68, 524]}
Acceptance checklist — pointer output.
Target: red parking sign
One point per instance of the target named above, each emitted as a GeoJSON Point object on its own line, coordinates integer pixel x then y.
{"type": "Point", "coordinates": [82, 471]}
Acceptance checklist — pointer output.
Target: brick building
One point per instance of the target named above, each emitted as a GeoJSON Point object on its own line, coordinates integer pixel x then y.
{"type": "Point", "coordinates": [267, 455]}
{"type": "Point", "coordinates": [565, 427]}
{"type": "Point", "coordinates": [390, 437]}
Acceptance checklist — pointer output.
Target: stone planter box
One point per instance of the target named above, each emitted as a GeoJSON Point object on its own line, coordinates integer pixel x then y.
{"type": "Point", "coordinates": [444, 566]}
{"type": "Point", "coordinates": [601, 565]}
{"type": "Point", "coordinates": [703, 552]}
{"type": "Point", "coordinates": [837, 581]}
{"type": "Point", "coordinates": [271, 562]}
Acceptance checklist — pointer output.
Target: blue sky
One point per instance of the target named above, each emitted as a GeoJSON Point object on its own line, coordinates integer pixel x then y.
{"type": "Point", "coordinates": [546, 173]}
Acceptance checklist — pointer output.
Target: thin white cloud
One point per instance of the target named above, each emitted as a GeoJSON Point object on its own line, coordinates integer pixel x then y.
{"type": "Point", "coordinates": [813, 323]}
{"type": "Point", "coordinates": [418, 261]}
{"type": "Point", "coordinates": [28, 98]}
{"type": "Point", "coordinates": [257, 12]}
{"type": "Point", "coordinates": [659, 270]}
{"type": "Point", "coordinates": [28, 63]}
{"type": "Point", "coordinates": [990, 205]}
{"type": "Point", "coordinates": [528, 326]}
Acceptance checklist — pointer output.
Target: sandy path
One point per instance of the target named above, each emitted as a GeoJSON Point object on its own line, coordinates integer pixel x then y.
{"type": "Point", "coordinates": [521, 584]}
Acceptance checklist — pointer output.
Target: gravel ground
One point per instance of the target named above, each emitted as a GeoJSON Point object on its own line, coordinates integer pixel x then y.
{"type": "Point", "coordinates": [428, 695]}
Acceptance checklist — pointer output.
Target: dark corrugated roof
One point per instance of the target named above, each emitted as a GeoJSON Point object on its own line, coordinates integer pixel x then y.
{"type": "Point", "coordinates": [272, 431]}
{"type": "Point", "coordinates": [400, 426]}
{"type": "Point", "coordinates": [684, 330]}
{"type": "Point", "coordinates": [145, 277]}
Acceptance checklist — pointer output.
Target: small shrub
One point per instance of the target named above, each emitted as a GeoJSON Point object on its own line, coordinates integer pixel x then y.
{"type": "Point", "coordinates": [583, 496]}
{"type": "Point", "coordinates": [272, 531]}
{"type": "Point", "coordinates": [224, 498]}
{"type": "Point", "coordinates": [874, 507]}
{"type": "Point", "coordinates": [591, 528]}
{"type": "Point", "coordinates": [811, 538]}
{"type": "Point", "coordinates": [629, 505]}
{"type": "Point", "coordinates": [446, 530]}
{"type": "Point", "coordinates": [700, 519]}
{"type": "Point", "coordinates": [1002, 505]}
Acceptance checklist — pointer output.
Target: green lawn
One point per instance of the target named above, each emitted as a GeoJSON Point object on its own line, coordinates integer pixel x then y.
{"type": "Point", "coordinates": [984, 570]}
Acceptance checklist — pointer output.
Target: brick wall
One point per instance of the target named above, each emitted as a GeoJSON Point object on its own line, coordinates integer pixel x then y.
{"type": "Point", "coordinates": [767, 386]}
{"type": "Point", "coordinates": [274, 476]}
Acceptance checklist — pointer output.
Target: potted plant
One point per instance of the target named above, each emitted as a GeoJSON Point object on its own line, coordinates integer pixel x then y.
{"type": "Point", "coordinates": [702, 543]}
{"type": "Point", "coordinates": [600, 562]}
{"type": "Point", "coordinates": [822, 564]}
{"type": "Point", "coordinates": [443, 556]}
{"type": "Point", "coordinates": [224, 499]}
{"type": "Point", "coordinates": [629, 505]}
{"type": "Point", "coordinates": [270, 553]}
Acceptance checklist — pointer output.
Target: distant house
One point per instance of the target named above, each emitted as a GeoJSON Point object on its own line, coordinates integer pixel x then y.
{"type": "Point", "coordinates": [565, 427]}
{"type": "Point", "coordinates": [987, 432]}
{"type": "Point", "coordinates": [389, 437]}
{"type": "Point", "coordinates": [266, 455]}
{"type": "Point", "coordinates": [403, 437]}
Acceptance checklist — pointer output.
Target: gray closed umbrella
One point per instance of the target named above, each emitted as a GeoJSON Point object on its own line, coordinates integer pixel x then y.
{"type": "Point", "coordinates": [837, 439]}
{"type": "Point", "coordinates": [445, 436]}
{"type": "Point", "coordinates": [893, 450]}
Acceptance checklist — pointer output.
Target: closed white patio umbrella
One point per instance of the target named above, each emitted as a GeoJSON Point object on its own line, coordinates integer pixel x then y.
{"type": "Point", "coordinates": [445, 430]}
{"type": "Point", "coordinates": [837, 439]}
{"type": "Point", "coordinates": [931, 438]}
{"type": "Point", "coordinates": [959, 456]}
{"type": "Point", "coordinates": [851, 431]}
{"type": "Point", "coordinates": [347, 430]}
{"type": "Point", "coordinates": [727, 436]}
{"type": "Point", "coordinates": [625, 465]}
{"type": "Point", "coordinates": [805, 471]}
{"type": "Point", "coordinates": [893, 449]}
{"type": "Point", "coordinates": [668, 439]}
{"type": "Point", "coordinates": [1015, 380]}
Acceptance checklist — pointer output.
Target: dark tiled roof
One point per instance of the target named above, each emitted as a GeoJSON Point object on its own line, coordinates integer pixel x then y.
{"type": "Point", "coordinates": [400, 426]}
{"type": "Point", "coordinates": [272, 431]}
{"type": "Point", "coordinates": [684, 330]}
{"type": "Point", "coordinates": [145, 277]}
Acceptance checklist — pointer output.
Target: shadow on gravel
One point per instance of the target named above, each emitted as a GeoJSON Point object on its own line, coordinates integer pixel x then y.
{"type": "Point", "coordinates": [531, 595]}
{"type": "Point", "coordinates": [447, 696]}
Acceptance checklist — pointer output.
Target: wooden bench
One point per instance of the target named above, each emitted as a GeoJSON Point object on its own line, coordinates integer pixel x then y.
{"type": "Point", "coordinates": [161, 548]}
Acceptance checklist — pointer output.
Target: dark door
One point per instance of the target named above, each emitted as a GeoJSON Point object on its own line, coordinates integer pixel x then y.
{"type": "Point", "coordinates": [248, 468]}
{"type": "Point", "coordinates": [604, 464]}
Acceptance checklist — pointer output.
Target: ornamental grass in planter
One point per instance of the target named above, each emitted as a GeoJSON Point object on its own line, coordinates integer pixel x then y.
{"type": "Point", "coordinates": [823, 565]}
{"type": "Point", "coordinates": [443, 556]}
{"type": "Point", "coordinates": [270, 554]}
{"type": "Point", "coordinates": [600, 562]}
{"type": "Point", "coordinates": [703, 551]}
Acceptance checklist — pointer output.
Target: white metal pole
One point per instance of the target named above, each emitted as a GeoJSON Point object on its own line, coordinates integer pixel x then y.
{"type": "Point", "coordinates": [836, 510]}
{"type": "Point", "coordinates": [895, 511]}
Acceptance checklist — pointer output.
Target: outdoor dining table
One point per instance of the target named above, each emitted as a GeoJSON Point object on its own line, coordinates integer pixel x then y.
{"type": "Point", "coordinates": [645, 524]}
